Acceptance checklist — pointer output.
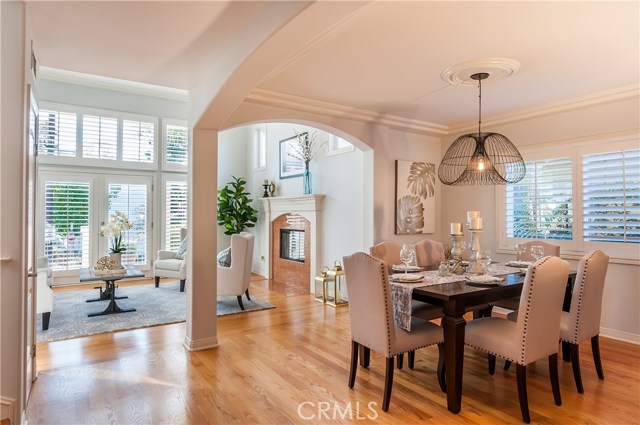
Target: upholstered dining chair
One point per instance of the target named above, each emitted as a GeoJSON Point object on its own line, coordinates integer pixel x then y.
{"type": "Point", "coordinates": [429, 254]}
{"type": "Point", "coordinates": [582, 322]}
{"type": "Point", "coordinates": [535, 333]}
{"type": "Point", "coordinates": [372, 325]}
{"type": "Point", "coordinates": [235, 279]}
{"type": "Point", "coordinates": [171, 264]}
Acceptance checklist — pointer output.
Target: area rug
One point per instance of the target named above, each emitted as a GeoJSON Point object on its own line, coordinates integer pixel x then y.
{"type": "Point", "coordinates": [154, 306]}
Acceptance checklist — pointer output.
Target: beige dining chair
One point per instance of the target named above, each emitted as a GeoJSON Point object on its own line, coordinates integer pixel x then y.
{"type": "Point", "coordinates": [372, 325]}
{"type": "Point", "coordinates": [535, 333]}
{"type": "Point", "coordinates": [582, 322]}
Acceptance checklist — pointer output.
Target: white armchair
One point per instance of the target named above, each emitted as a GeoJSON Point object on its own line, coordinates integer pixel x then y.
{"type": "Point", "coordinates": [44, 299]}
{"type": "Point", "coordinates": [235, 279]}
{"type": "Point", "coordinates": [167, 265]}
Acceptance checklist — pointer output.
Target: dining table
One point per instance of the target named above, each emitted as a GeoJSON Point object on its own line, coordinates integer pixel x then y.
{"type": "Point", "coordinates": [457, 294]}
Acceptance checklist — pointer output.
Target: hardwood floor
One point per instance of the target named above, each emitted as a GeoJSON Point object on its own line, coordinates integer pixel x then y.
{"type": "Point", "coordinates": [290, 365]}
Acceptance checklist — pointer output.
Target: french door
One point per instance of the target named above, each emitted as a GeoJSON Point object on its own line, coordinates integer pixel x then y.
{"type": "Point", "coordinates": [76, 205]}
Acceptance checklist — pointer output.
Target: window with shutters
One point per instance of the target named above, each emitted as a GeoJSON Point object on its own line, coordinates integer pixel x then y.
{"type": "Point", "coordinates": [99, 137]}
{"type": "Point", "coordinates": [66, 223]}
{"type": "Point", "coordinates": [611, 196]}
{"type": "Point", "coordinates": [138, 141]}
{"type": "Point", "coordinates": [540, 205]}
{"type": "Point", "coordinates": [131, 199]}
{"type": "Point", "coordinates": [175, 210]}
{"type": "Point", "coordinates": [260, 148]}
{"type": "Point", "coordinates": [582, 195]}
{"type": "Point", "coordinates": [57, 133]}
{"type": "Point", "coordinates": [176, 143]}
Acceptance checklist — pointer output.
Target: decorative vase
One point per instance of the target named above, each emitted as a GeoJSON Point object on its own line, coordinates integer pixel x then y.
{"type": "Point", "coordinates": [306, 179]}
{"type": "Point", "coordinates": [117, 257]}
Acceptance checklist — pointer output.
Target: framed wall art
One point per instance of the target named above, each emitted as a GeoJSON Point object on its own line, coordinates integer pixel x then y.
{"type": "Point", "coordinates": [415, 197]}
{"type": "Point", "coordinates": [290, 164]}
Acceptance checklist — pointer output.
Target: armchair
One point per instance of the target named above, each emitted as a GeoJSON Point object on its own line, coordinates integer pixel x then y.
{"type": "Point", "coordinates": [235, 279]}
{"type": "Point", "coordinates": [44, 299]}
{"type": "Point", "coordinates": [167, 265]}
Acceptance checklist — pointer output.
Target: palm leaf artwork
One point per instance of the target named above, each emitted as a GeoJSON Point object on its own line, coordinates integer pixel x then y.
{"type": "Point", "coordinates": [422, 179]}
{"type": "Point", "coordinates": [415, 197]}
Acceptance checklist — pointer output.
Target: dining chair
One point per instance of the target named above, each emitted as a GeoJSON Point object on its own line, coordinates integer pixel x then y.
{"type": "Point", "coordinates": [429, 254]}
{"type": "Point", "coordinates": [372, 324]}
{"type": "Point", "coordinates": [582, 321]}
{"type": "Point", "coordinates": [535, 333]}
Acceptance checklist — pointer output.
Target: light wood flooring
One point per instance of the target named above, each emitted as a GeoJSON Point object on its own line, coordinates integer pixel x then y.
{"type": "Point", "coordinates": [290, 365]}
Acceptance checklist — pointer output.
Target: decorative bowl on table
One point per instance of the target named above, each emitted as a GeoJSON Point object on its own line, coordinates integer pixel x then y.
{"type": "Point", "coordinates": [402, 268]}
{"type": "Point", "coordinates": [105, 266]}
{"type": "Point", "coordinates": [483, 280]}
{"type": "Point", "coordinates": [407, 277]}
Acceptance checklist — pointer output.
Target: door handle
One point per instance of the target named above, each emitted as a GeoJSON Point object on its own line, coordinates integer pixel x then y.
{"type": "Point", "coordinates": [32, 274]}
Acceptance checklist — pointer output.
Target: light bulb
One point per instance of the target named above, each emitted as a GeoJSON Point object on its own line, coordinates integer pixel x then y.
{"type": "Point", "coordinates": [479, 163]}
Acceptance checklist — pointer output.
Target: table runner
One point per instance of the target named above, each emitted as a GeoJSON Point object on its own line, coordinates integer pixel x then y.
{"type": "Point", "coordinates": [402, 293]}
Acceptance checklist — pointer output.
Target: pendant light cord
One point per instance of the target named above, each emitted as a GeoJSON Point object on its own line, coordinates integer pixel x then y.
{"type": "Point", "coordinates": [479, 104]}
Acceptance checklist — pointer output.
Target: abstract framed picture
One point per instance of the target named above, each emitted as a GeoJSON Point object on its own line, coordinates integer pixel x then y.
{"type": "Point", "coordinates": [290, 166]}
{"type": "Point", "coordinates": [415, 197]}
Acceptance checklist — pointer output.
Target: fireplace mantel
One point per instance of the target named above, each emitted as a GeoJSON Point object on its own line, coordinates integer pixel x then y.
{"type": "Point", "coordinates": [307, 206]}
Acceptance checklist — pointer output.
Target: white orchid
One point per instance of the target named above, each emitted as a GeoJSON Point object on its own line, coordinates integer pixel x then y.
{"type": "Point", "coordinates": [118, 224]}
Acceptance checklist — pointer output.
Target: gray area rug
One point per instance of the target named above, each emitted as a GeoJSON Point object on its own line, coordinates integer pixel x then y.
{"type": "Point", "coordinates": [154, 306]}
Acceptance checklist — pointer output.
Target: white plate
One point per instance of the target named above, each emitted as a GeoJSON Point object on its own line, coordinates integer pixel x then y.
{"type": "Point", "coordinates": [407, 278]}
{"type": "Point", "coordinates": [402, 267]}
{"type": "Point", "coordinates": [519, 264]}
{"type": "Point", "coordinates": [484, 279]}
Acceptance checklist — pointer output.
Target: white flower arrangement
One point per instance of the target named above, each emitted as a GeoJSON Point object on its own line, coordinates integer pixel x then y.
{"type": "Point", "coordinates": [118, 224]}
{"type": "Point", "coordinates": [306, 147]}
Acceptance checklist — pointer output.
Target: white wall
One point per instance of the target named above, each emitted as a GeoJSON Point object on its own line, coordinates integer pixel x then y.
{"type": "Point", "coordinates": [620, 313]}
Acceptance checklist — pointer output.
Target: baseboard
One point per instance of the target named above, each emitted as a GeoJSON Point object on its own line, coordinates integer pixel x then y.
{"type": "Point", "coordinates": [8, 409]}
{"type": "Point", "coordinates": [620, 336]}
{"type": "Point", "coordinates": [201, 344]}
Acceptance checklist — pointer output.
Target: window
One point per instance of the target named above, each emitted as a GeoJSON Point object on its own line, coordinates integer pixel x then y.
{"type": "Point", "coordinates": [175, 211]}
{"type": "Point", "coordinates": [260, 149]}
{"type": "Point", "coordinates": [583, 195]}
{"type": "Point", "coordinates": [132, 199]}
{"type": "Point", "coordinates": [138, 141]}
{"type": "Point", "coordinates": [57, 133]}
{"type": "Point", "coordinates": [176, 141]}
{"type": "Point", "coordinates": [611, 196]}
{"type": "Point", "coordinates": [338, 145]}
{"type": "Point", "coordinates": [99, 137]}
{"type": "Point", "coordinates": [540, 205]}
{"type": "Point", "coordinates": [66, 223]}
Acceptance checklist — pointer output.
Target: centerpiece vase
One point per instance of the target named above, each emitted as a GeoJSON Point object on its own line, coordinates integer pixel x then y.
{"type": "Point", "coordinates": [306, 179]}
{"type": "Point", "coordinates": [117, 258]}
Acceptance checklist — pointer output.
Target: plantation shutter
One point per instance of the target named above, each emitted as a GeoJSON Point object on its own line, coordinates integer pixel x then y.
{"type": "Point", "coordinates": [99, 137]}
{"type": "Point", "coordinates": [611, 196]}
{"type": "Point", "coordinates": [540, 206]}
{"type": "Point", "coordinates": [138, 140]}
{"type": "Point", "coordinates": [177, 140]}
{"type": "Point", "coordinates": [57, 133]}
{"type": "Point", "coordinates": [131, 199]}
{"type": "Point", "coordinates": [175, 212]}
{"type": "Point", "coordinates": [66, 230]}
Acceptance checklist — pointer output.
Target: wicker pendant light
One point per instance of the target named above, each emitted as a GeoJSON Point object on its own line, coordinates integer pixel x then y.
{"type": "Point", "coordinates": [481, 158]}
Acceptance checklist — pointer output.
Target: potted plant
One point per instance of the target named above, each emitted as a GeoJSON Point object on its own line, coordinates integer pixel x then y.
{"type": "Point", "coordinates": [235, 212]}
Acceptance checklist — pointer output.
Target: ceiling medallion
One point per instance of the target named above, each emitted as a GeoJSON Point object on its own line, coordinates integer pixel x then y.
{"type": "Point", "coordinates": [495, 68]}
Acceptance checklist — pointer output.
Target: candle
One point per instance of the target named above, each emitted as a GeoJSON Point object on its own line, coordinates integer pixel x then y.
{"type": "Point", "coordinates": [456, 228]}
{"type": "Point", "coordinates": [476, 223]}
{"type": "Point", "coordinates": [266, 182]}
{"type": "Point", "coordinates": [471, 215]}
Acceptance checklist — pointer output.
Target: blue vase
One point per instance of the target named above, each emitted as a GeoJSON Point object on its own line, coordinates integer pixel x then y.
{"type": "Point", "coordinates": [306, 181]}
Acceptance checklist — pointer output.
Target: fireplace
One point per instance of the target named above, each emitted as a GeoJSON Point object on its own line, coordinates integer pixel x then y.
{"type": "Point", "coordinates": [292, 245]}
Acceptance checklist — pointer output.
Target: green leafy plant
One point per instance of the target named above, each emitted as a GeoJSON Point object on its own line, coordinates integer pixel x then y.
{"type": "Point", "coordinates": [234, 210]}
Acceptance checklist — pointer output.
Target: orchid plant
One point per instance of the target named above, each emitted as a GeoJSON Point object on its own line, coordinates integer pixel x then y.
{"type": "Point", "coordinates": [306, 147]}
{"type": "Point", "coordinates": [117, 225]}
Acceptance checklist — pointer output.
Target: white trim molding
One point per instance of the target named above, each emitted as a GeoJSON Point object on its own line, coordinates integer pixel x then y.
{"type": "Point", "coordinates": [201, 344]}
{"type": "Point", "coordinates": [620, 336]}
{"type": "Point", "coordinates": [8, 409]}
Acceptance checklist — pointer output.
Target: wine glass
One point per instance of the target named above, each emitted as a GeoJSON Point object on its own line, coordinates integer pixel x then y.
{"type": "Point", "coordinates": [407, 255]}
{"type": "Point", "coordinates": [520, 250]}
{"type": "Point", "coordinates": [484, 256]}
{"type": "Point", "coordinates": [537, 252]}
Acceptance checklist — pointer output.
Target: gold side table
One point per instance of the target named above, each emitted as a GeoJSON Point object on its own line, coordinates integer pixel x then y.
{"type": "Point", "coordinates": [335, 279]}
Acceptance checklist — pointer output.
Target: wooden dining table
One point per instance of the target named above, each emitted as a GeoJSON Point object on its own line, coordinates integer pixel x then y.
{"type": "Point", "coordinates": [455, 298]}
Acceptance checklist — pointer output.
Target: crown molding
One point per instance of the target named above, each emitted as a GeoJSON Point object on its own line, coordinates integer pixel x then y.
{"type": "Point", "coordinates": [594, 99]}
{"type": "Point", "coordinates": [282, 100]}
{"type": "Point", "coordinates": [107, 83]}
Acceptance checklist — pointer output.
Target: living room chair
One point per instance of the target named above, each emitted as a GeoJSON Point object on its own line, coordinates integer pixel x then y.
{"type": "Point", "coordinates": [235, 279]}
{"type": "Point", "coordinates": [536, 332]}
{"type": "Point", "coordinates": [168, 265]}
{"type": "Point", "coordinates": [582, 322]}
{"type": "Point", "coordinates": [372, 325]}
{"type": "Point", "coordinates": [44, 298]}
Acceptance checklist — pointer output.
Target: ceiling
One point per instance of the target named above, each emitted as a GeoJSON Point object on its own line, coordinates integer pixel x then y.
{"type": "Point", "coordinates": [387, 57]}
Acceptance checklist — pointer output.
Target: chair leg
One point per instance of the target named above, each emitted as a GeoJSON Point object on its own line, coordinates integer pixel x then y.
{"type": "Point", "coordinates": [365, 356]}
{"type": "Point", "coordinates": [388, 384]}
{"type": "Point", "coordinates": [507, 364]}
{"type": "Point", "coordinates": [521, 373]}
{"type": "Point", "coordinates": [45, 320]}
{"type": "Point", "coordinates": [157, 279]}
{"type": "Point", "coordinates": [595, 349]}
{"type": "Point", "coordinates": [553, 376]}
{"type": "Point", "coordinates": [240, 302]}
{"type": "Point", "coordinates": [491, 359]}
{"type": "Point", "coordinates": [412, 359]}
{"type": "Point", "coordinates": [354, 363]}
{"type": "Point", "coordinates": [575, 364]}
{"type": "Point", "coordinates": [247, 294]}
{"type": "Point", "coordinates": [182, 282]}
{"type": "Point", "coordinates": [441, 368]}
{"type": "Point", "coordinates": [400, 360]}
